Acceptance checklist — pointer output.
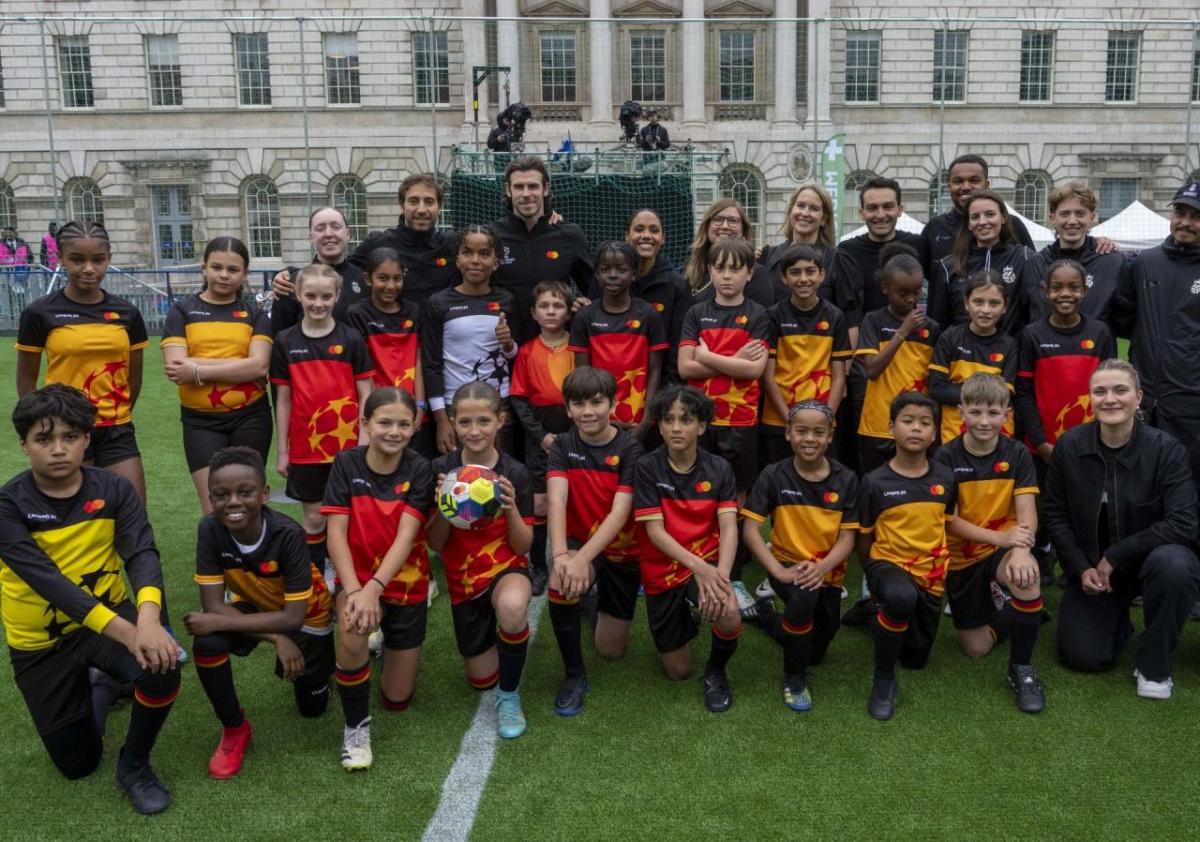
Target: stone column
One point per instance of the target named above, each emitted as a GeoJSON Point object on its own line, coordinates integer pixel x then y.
{"type": "Point", "coordinates": [819, 82]}
{"type": "Point", "coordinates": [785, 61]}
{"type": "Point", "coordinates": [600, 62]}
{"type": "Point", "coordinates": [508, 48]}
{"type": "Point", "coordinates": [692, 46]}
{"type": "Point", "coordinates": [474, 52]}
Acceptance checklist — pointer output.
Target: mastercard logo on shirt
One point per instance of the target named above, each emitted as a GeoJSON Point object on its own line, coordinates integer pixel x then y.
{"type": "Point", "coordinates": [937, 488]}
{"type": "Point", "coordinates": [440, 262]}
{"type": "Point", "coordinates": [408, 323]}
{"type": "Point", "coordinates": [830, 497]}
{"type": "Point", "coordinates": [269, 566]}
{"type": "Point", "coordinates": [633, 323]}
{"type": "Point", "coordinates": [111, 315]}
{"type": "Point", "coordinates": [552, 254]}
{"type": "Point", "coordinates": [660, 307]}
{"type": "Point", "coordinates": [704, 485]}
{"type": "Point", "coordinates": [402, 487]}
{"type": "Point", "coordinates": [336, 349]}
{"type": "Point", "coordinates": [93, 506]}
{"type": "Point", "coordinates": [923, 333]}
{"type": "Point", "coordinates": [240, 314]}
{"type": "Point", "coordinates": [822, 325]}
{"type": "Point", "coordinates": [494, 306]}
{"type": "Point", "coordinates": [613, 460]}
{"type": "Point", "coordinates": [1087, 344]}
{"type": "Point", "coordinates": [1000, 467]}
{"type": "Point", "coordinates": [742, 319]}
{"type": "Point", "coordinates": [996, 357]}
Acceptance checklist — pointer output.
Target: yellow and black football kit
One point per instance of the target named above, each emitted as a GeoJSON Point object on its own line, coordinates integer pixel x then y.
{"type": "Point", "coordinates": [961, 352]}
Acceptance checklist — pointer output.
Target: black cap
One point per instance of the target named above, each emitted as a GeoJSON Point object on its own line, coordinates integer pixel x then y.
{"type": "Point", "coordinates": [1188, 194]}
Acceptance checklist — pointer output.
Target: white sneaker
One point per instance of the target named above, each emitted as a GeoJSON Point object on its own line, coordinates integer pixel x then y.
{"type": "Point", "coordinates": [1148, 689]}
{"type": "Point", "coordinates": [845, 594]}
{"type": "Point", "coordinates": [375, 643]}
{"type": "Point", "coordinates": [356, 746]}
{"type": "Point", "coordinates": [764, 590]}
{"type": "Point", "coordinates": [946, 610]}
{"type": "Point", "coordinates": [433, 592]}
{"type": "Point", "coordinates": [745, 602]}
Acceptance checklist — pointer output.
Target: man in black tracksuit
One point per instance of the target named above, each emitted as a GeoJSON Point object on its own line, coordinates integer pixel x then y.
{"type": "Point", "coordinates": [967, 174]}
{"type": "Point", "coordinates": [427, 253]}
{"type": "Point", "coordinates": [533, 250]}
{"type": "Point", "coordinates": [1072, 213]}
{"type": "Point", "coordinates": [1158, 308]}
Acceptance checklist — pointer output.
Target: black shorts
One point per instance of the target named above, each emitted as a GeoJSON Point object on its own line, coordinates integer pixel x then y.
{"type": "Point", "coordinates": [54, 681]}
{"type": "Point", "coordinates": [873, 452]}
{"type": "Point", "coordinates": [739, 447]}
{"type": "Point", "coordinates": [403, 626]}
{"type": "Point", "coordinates": [673, 617]}
{"type": "Point", "coordinates": [306, 483]}
{"type": "Point", "coordinates": [475, 620]}
{"type": "Point", "coordinates": [617, 584]}
{"type": "Point", "coordinates": [112, 445]}
{"type": "Point", "coordinates": [317, 649]}
{"type": "Point", "coordinates": [969, 591]}
{"type": "Point", "coordinates": [882, 578]}
{"type": "Point", "coordinates": [772, 446]}
{"type": "Point", "coordinates": [206, 433]}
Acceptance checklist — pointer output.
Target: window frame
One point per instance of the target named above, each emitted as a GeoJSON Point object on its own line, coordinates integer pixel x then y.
{"type": "Point", "coordinates": [155, 74]}
{"type": "Point", "coordinates": [249, 75]}
{"type": "Point", "coordinates": [951, 41]}
{"type": "Point", "coordinates": [83, 199]}
{"type": "Point", "coordinates": [873, 43]}
{"type": "Point", "coordinates": [1039, 182]}
{"type": "Point", "coordinates": [437, 76]}
{"type": "Point", "coordinates": [742, 177]}
{"type": "Point", "coordinates": [339, 78]}
{"type": "Point", "coordinates": [8, 206]}
{"type": "Point", "coordinates": [636, 70]}
{"type": "Point", "coordinates": [1131, 71]}
{"type": "Point", "coordinates": [262, 185]}
{"type": "Point", "coordinates": [356, 213]}
{"type": "Point", "coordinates": [572, 71]}
{"type": "Point", "coordinates": [66, 47]}
{"type": "Point", "coordinates": [1107, 183]}
{"type": "Point", "coordinates": [1028, 51]}
{"type": "Point", "coordinates": [729, 66]}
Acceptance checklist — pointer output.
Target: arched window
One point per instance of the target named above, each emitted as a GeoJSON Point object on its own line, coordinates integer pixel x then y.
{"type": "Point", "coordinates": [743, 183]}
{"type": "Point", "coordinates": [348, 194]}
{"type": "Point", "coordinates": [260, 210]}
{"type": "Point", "coordinates": [850, 199]}
{"type": "Point", "coordinates": [1030, 195]}
{"type": "Point", "coordinates": [939, 195]}
{"type": "Point", "coordinates": [8, 207]}
{"type": "Point", "coordinates": [83, 200]}
{"type": "Point", "coordinates": [445, 220]}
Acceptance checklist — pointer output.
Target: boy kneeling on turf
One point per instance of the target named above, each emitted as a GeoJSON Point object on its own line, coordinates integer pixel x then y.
{"type": "Point", "coordinates": [812, 502]}
{"type": "Point", "coordinates": [65, 527]}
{"type": "Point", "coordinates": [261, 557]}
{"type": "Point", "coordinates": [686, 500]}
{"type": "Point", "coordinates": [589, 483]}
{"type": "Point", "coordinates": [993, 536]}
{"type": "Point", "coordinates": [906, 504]}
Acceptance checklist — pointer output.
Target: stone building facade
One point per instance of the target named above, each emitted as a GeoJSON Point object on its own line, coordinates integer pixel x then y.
{"type": "Point", "coordinates": [186, 119]}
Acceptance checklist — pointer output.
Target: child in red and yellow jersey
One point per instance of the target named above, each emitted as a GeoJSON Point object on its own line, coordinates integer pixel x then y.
{"type": "Point", "coordinates": [217, 349]}
{"type": "Point", "coordinates": [376, 502]}
{"type": "Point", "coordinates": [487, 571]}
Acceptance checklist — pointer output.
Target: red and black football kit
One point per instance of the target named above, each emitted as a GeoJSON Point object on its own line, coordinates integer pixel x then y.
{"type": "Point", "coordinates": [622, 344]}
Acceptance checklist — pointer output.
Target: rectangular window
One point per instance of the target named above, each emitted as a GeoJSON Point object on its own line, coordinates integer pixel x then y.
{"type": "Point", "coordinates": [1, 84]}
{"type": "Point", "coordinates": [1116, 194]}
{"type": "Point", "coordinates": [341, 68]}
{"type": "Point", "coordinates": [648, 66]}
{"type": "Point", "coordinates": [1195, 70]}
{"type": "Point", "coordinates": [736, 66]}
{"type": "Point", "coordinates": [1037, 66]}
{"type": "Point", "coordinates": [431, 67]}
{"type": "Point", "coordinates": [950, 66]}
{"type": "Point", "coordinates": [558, 66]}
{"type": "Point", "coordinates": [801, 63]}
{"type": "Point", "coordinates": [75, 71]}
{"type": "Point", "coordinates": [862, 66]}
{"type": "Point", "coordinates": [163, 71]}
{"type": "Point", "coordinates": [1120, 75]}
{"type": "Point", "coordinates": [253, 68]}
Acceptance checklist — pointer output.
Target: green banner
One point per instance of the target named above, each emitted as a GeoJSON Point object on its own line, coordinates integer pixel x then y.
{"type": "Point", "coordinates": [833, 177]}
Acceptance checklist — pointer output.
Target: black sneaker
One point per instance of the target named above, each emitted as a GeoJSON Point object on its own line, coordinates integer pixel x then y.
{"type": "Point", "coordinates": [718, 698]}
{"type": "Point", "coordinates": [859, 614]}
{"type": "Point", "coordinates": [569, 700]}
{"type": "Point", "coordinates": [1027, 687]}
{"type": "Point", "coordinates": [146, 792]}
{"type": "Point", "coordinates": [882, 704]}
{"type": "Point", "coordinates": [765, 615]}
{"type": "Point", "coordinates": [540, 577]}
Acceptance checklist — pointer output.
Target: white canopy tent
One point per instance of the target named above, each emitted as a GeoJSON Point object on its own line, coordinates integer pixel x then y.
{"type": "Point", "coordinates": [1135, 228]}
{"type": "Point", "coordinates": [905, 223]}
{"type": "Point", "coordinates": [1041, 235]}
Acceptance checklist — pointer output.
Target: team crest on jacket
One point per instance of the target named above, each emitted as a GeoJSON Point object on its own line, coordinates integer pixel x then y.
{"type": "Point", "coordinates": [1009, 275]}
{"type": "Point", "coordinates": [1196, 286]}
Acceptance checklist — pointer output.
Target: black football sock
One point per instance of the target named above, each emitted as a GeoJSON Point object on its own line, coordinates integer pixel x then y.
{"type": "Point", "coordinates": [354, 686]}
{"type": "Point", "coordinates": [512, 649]}
{"type": "Point", "coordinates": [216, 677]}
{"type": "Point", "coordinates": [797, 644]}
{"type": "Point", "coordinates": [889, 635]}
{"type": "Point", "coordinates": [537, 552]}
{"type": "Point", "coordinates": [153, 696]}
{"type": "Point", "coordinates": [1026, 623]}
{"type": "Point", "coordinates": [565, 617]}
{"type": "Point", "coordinates": [723, 647]}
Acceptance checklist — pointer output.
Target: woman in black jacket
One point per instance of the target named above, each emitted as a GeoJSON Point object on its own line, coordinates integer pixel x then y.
{"type": "Point", "coordinates": [1120, 509]}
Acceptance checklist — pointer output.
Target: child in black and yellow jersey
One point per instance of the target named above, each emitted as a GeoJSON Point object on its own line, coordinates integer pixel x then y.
{"type": "Point", "coordinates": [65, 529]}
{"type": "Point", "coordinates": [997, 519]}
{"type": "Point", "coordinates": [905, 505]}
{"type": "Point", "coordinates": [895, 345]}
{"type": "Point", "coordinates": [812, 502]}
{"type": "Point", "coordinates": [260, 556]}
{"type": "Point", "coordinates": [217, 349]}
{"type": "Point", "coordinates": [93, 341]}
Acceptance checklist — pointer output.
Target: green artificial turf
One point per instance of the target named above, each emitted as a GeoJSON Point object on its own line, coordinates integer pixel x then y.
{"type": "Point", "coordinates": [644, 760]}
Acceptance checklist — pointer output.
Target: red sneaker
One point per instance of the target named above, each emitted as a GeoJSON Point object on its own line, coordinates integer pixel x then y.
{"type": "Point", "coordinates": [227, 759]}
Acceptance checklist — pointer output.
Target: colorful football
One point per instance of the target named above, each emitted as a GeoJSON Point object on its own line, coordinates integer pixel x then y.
{"type": "Point", "coordinates": [468, 495]}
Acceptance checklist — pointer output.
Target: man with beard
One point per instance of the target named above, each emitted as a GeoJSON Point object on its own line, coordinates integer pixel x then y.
{"type": "Point", "coordinates": [967, 173]}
